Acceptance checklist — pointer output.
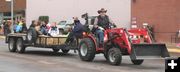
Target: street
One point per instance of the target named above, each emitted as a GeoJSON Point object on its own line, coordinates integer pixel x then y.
{"type": "Point", "coordinates": [44, 60]}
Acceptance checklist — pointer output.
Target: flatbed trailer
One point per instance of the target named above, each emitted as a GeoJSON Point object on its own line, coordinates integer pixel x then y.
{"type": "Point", "coordinates": [18, 42]}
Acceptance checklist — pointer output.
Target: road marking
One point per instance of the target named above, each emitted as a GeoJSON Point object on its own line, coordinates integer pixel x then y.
{"type": "Point", "coordinates": [46, 62]}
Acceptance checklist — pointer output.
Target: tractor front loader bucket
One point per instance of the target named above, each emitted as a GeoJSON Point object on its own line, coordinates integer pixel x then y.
{"type": "Point", "coordinates": [149, 51]}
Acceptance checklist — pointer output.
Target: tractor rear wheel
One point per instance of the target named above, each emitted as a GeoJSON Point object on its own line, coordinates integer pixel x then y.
{"type": "Point", "coordinates": [87, 49]}
{"type": "Point", "coordinates": [114, 56]}
{"type": "Point", "coordinates": [137, 62]}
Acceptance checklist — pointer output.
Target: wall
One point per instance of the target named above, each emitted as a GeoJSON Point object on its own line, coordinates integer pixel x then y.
{"type": "Point", "coordinates": [18, 5]}
{"type": "Point", "coordinates": [162, 14]}
{"type": "Point", "coordinates": [118, 10]}
{"type": "Point", "coordinates": [1, 18]}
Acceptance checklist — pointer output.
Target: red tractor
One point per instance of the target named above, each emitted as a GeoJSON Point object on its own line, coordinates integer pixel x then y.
{"type": "Point", "coordinates": [119, 42]}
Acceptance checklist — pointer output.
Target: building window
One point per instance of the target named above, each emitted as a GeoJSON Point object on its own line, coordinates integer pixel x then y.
{"type": "Point", "coordinates": [7, 13]}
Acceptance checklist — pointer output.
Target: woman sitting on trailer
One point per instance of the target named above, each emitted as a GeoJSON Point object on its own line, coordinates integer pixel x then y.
{"type": "Point", "coordinates": [36, 26]}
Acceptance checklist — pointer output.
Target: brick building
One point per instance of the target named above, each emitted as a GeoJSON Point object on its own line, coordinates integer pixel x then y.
{"type": "Point", "coordinates": [164, 15]}
{"type": "Point", "coordinates": [5, 9]}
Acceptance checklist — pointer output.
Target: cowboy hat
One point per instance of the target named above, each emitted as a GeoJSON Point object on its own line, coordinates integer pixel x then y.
{"type": "Point", "coordinates": [102, 10]}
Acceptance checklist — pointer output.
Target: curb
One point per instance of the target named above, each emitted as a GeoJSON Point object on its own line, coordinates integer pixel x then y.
{"type": "Point", "coordinates": [2, 37]}
{"type": "Point", "coordinates": [174, 50]}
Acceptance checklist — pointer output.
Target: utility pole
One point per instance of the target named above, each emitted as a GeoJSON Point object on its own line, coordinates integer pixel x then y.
{"type": "Point", "coordinates": [12, 15]}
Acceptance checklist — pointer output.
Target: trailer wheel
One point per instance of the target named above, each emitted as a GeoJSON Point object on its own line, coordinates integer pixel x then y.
{"type": "Point", "coordinates": [114, 56]}
{"type": "Point", "coordinates": [55, 50]}
{"type": "Point", "coordinates": [65, 50]}
{"type": "Point", "coordinates": [137, 62]}
{"type": "Point", "coordinates": [20, 45]}
{"type": "Point", "coordinates": [87, 50]}
{"type": "Point", "coordinates": [31, 35]}
{"type": "Point", "coordinates": [12, 45]}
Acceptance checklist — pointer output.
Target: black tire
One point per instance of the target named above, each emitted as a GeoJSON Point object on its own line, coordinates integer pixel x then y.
{"type": "Point", "coordinates": [137, 62]}
{"type": "Point", "coordinates": [89, 49]}
{"type": "Point", "coordinates": [65, 50]}
{"type": "Point", "coordinates": [32, 35]}
{"type": "Point", "coordinates": [114, 56]}
{"type": "Point", "coordinates": [106, 48]}
{"type": "Point", "coordinates": [105, 56]}
{"type": "Point", "coordinates": [20, 45]}
{"type": "Point", "coordinates": [12, 45]}
{"type": "Point", "coordinates": [55, 50]}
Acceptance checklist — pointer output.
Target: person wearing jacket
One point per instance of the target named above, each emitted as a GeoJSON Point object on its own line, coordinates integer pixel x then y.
{"type": "Point", "coordinates": [101, 23]}
{"type": "Point", "coordinates": [76, 31]}
{"type": "Point", "coordinates": [35, 30]}
{"type": "Point", "coordinates": [44, 29]}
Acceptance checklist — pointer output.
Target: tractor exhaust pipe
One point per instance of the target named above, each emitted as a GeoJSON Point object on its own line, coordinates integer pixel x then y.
{"type": "Point", "coordinates": [149, 51]}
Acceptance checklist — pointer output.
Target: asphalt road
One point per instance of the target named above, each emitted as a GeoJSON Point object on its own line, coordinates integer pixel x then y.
{"type": "Point", "coordinates": [44, 60]}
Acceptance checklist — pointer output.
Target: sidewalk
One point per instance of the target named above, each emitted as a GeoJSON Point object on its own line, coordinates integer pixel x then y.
{"type": "Point", "coordinates": [2, 37]}
{"type": "Point", "coordinates": [172, 48]}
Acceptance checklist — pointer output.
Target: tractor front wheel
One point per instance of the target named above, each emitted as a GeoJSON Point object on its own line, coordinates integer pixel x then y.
{"type": "Point", "coordinates": [114, 56]}
{"type": "Point", "coordinates": [87, 49]}
{"type": "Point", "coordinates": [137, 62]}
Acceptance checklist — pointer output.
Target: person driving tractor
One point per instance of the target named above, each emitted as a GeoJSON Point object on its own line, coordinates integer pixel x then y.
{"type": "Point", "coordinates": [102, 22]}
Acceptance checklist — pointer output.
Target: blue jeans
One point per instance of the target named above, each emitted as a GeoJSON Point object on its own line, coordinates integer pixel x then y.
{"type": "Point", "coordinates": [100, 35]}
{"type": "Point", "coordinates": [73, 35]}
{"type": "Point", "coordinates": [43, 30]}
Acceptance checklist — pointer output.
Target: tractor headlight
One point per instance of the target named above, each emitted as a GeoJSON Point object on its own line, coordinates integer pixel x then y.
{"type": "Point", "coordinates": [145, 36]}
{"type": "Point", "coordinates": [130, 37]}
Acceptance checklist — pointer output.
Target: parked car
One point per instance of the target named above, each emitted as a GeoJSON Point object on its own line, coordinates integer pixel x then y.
{"type": "Point", "coordinates": [65, 26]}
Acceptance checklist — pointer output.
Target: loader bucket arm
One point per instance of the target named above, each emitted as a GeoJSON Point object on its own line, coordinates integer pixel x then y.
{"type": "Point", "coordinates": [149, 51]}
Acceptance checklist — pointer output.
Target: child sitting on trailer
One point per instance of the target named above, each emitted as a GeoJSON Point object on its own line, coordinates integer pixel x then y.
{"type": "Point", "coordinates": [53, 31]}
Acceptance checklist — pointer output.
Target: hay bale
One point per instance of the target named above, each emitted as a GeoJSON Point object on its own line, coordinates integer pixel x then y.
{"type": "Point", "coordinates": [50, 41]}
{"type": "Point", "coordinates": [44, 40]}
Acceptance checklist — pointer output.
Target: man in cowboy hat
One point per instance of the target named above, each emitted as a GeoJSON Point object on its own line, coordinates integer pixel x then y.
{"type": "Point", "coordinates": [102, 22]}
